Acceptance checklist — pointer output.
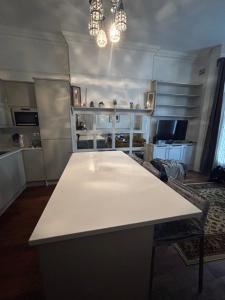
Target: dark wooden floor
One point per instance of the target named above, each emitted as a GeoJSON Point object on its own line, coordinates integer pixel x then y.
{"type": "Point", "coordinates": [19, 272]}
{"type": "Point", "coordinates": [195, 177]}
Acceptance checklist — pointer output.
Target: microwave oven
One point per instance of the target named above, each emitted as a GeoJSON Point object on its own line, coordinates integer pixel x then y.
{"type": "Point", "coordinates": [25, 116]}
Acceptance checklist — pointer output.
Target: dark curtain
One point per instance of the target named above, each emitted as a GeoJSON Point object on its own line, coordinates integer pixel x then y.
{"type": "Point", "coordinates": [214, 122]}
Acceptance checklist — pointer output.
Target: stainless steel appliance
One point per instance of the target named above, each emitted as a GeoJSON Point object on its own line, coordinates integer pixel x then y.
{"type": "Point", "coordinates": [25, 116]}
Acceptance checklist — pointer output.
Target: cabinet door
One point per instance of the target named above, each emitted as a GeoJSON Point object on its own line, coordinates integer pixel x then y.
{"type": "Point", "coordinates": [159, 152]}
{"type": "Point", "coordinates": [174, 152]}
{"type": "Point", "coordinates": [33, 165]}
{"type": "Point", "coordinates": [188, 155]}
{"type": "Point", "coordinates": [20, 93]}
{"type": "Point", "coordinates": [12, 178]}
{"type": "Point", "coordinates": [56, 155]}
{"type": "Point", "coordinates": [5, 115]}
{"type": "Point", "coordinates": [53, 102]}
{"type": "Point", "coordinates": [3, 98]}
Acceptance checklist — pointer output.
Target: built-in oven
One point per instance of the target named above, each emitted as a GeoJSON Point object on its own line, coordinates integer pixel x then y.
{"type": "Point", "coordinates": [25, 116]}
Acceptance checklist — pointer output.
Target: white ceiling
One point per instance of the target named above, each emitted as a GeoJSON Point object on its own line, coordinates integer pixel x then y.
{"type": "Point", "coordinates": [171, 24]}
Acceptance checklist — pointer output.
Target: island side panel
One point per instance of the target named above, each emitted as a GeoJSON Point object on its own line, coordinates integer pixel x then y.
{"type": "Point", "coordinates": [105, 267]}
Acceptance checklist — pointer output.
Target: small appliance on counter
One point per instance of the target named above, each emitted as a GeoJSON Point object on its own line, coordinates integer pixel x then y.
{"type": "Point", "coordinates": [18, 140]}
{"type": "Point", "coordinates": [36, 140]}
{"type": "Point", "coordinates": [25, 116]}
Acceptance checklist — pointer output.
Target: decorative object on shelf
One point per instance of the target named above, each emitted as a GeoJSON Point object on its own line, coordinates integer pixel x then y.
{"type": "Point", "coordinates": [76, 96]}
{"type": "Point", "coordinates": [85, 97]}
{"type": "Point", "coordinates": [92, 104]}
{"type": "Point", "coordinates": [131, 105]}
{"type": "Point", "coordinates": [114, 103]}
{"type": "Point", "coordinates": [149, 102]}
{"type": "Point", "coordinates": [138, 106]}
{"type": "Point", "coordinates": [97, 18]}
{"type": "Point", "coordinates": [101, 104]}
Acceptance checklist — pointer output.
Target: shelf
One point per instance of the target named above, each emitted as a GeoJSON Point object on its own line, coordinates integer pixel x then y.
{"type": "Point", "coordinates": [177, 106]}
{"type": "Point", "coordinates": [178, 83]}
{"type": "Point", "coordinates": [111, 110]}
{"type": "Point", "coordinates": [177, 95]}
{"type": "Point", "coordinates": [175, 117]}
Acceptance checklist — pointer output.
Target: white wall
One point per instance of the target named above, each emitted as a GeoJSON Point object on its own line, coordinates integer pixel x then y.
{"type": "Point", "coordinates": [28, 54]}
{"type": "Point", "coordinates": [206, 61]}
{"type": "Point", "coordinates": [123, 72]}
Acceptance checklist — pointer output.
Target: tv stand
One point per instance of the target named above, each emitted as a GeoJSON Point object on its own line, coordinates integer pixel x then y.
{"type": "Point", "coordinates": [183, 152]}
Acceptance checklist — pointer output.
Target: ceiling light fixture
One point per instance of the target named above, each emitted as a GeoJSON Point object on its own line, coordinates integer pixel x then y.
{"type": "Point", "coordinates": [114, 34]}
{"type": "Point", "coordinates": [101, 39]}
{"type": "Point", "coordinates": [121, 18]}
{"type": "Point", "coordinates": [95, 25]}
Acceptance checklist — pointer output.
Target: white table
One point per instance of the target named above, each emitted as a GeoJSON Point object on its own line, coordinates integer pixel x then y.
{"type": "Point", "coordinates": [95, 235]}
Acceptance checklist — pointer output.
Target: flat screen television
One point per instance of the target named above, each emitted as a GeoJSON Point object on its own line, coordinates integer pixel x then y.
{"type": "Point", "coordinates": [171, 130]}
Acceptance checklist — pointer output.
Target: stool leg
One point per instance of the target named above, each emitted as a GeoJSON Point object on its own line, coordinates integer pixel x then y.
{"type": "Point", "coordinates": [152, 272]}
{"type": "Point", "coordinates": [201, 264]}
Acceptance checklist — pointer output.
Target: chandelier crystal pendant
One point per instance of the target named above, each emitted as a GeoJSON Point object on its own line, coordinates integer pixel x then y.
{"type": "Point", "coordinates": [118, 25]}
{"type": "Point", "coordinates": [114, 34]}
{"type": "Point", "coordinates": [96, 10]}
{"type": "Point", "coordinates": [93, 27]}
{"type": "Point", "coordinates": [115, 4]}
{"type": "Point", "coordinates": [101, 39]}
{"type": "Point", "coordinates": [121, 18]}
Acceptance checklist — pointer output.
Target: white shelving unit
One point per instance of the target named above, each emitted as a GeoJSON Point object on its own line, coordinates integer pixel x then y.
{"type": "Point", "coordinates": [176, 100]}
{"type": "Point", "coordinates": [99, 129]}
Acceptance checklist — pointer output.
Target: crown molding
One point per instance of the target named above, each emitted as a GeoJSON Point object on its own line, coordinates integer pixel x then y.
{"type": "Point", "coordinates": [14, 32]}
{"type": "Point", "coordinates": [105, 79]}
{"type": "Point", "coordinates": [18, 75]}
{"type": "Point", "coordinates": [75, 38]}
{"type": "Point", "coordinates": [187, 55]}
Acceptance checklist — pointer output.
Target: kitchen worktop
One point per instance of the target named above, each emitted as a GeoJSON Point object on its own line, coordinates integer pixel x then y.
{"type": "Point", "coordinates": [103, 192]}
{"type": "Point", "coordinates": [12, 150]}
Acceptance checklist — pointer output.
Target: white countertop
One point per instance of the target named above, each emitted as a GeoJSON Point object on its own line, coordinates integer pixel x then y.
{"type": "Point", "coordinates": [13, 150]}
{"type": "Point", "coordinates": [103, 192]}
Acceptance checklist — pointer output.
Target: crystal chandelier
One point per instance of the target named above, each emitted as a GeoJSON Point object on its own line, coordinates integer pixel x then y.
{"type": "Point", "coordinates": [97, 18]}
{"type": "Point", "coordinates": [101, 39]}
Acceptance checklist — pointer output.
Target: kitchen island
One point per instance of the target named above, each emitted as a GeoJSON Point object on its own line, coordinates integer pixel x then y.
{"type": "Point", "coordinates": [95, 235]}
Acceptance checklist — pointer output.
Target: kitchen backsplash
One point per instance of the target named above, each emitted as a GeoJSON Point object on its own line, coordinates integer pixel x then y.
{"type": "Point", "coordinates": [6, 136]}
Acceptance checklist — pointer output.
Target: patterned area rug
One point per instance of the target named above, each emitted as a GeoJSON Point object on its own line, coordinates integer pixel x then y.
{"type": "Point", "coordinates": [214, 228]}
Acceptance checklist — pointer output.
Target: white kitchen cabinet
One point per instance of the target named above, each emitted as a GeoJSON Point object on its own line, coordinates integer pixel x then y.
{"type": "Point", "coordinates": [174, 152]}
{"type": "Point", "coordinates": [53, 103]}
{"type": "Point", "coordinates": [34, 164]}
{"type": "Point", "coordinates": [56, 155]}
{"type": "Point", "coordinates": [20, 93]}
{"type": "Point", "coordinates": [188, 155]}
{"type": "Point", "coordinates": [160, 152]}
{"type": "Point", "coordinates": [5, 114]}
{"type": "Point", "coordinates": [13, 180]}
